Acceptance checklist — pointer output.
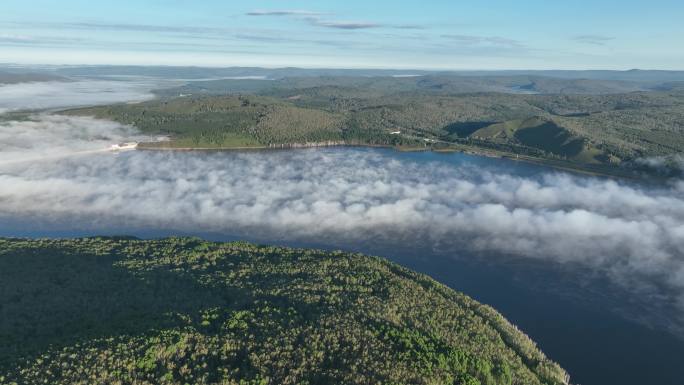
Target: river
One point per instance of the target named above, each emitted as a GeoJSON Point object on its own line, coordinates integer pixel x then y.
{"type": "Point", "coordinates": [586, 266]}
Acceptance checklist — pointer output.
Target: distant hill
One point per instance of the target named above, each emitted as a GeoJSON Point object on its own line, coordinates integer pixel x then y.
{"type": "Point", "coordinates": [631, 80]}
{"type": "Point", "coordinates": [436, 84]}
{"type": "Point", "coordinates": [580, 130]}
{"type": "Point", "coordinates": [185, 311]}
{"type": "Point", "coordinates": [635, 75]}
{"type": "Point", "coordinates": [170, 72]}
{"type": "Point", "coordinates": [279, 73]}
{"type": "Point", "coordinates": [13, 78]}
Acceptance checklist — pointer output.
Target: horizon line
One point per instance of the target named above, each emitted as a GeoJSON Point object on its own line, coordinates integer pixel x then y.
{"type": "Point", "coordinates": [354, 68]}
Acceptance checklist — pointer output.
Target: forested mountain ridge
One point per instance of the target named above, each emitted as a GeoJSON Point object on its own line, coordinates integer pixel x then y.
{"type": "Point", "coordinates": [584, 130]}
{"type": "Point", "coordinates": [182, 310]}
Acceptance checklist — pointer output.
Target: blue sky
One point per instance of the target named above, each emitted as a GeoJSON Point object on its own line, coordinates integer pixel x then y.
{"type": "Point", "coordinates": [441, 34]}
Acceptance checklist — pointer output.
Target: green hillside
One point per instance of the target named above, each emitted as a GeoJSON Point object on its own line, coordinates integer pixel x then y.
{"type": "Point", "coordinates": [544, 135]}
{"type": "Point", "coordinates": [235, 121]}
{"type": "Point", "coordinates": [587, 131]}
{"type": "Point", "coordinates": [185, 311]}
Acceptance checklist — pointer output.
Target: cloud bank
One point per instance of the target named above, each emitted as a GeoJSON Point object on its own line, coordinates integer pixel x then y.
{"type": "Point", "coordinates": [626, 231]}
{"type": "Point", "coordinates": [633, 234]}
{"type": "Point", "coordinates": [45, 138]}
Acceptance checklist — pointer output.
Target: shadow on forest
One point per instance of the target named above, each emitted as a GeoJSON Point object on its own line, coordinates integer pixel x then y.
{"type": "Point", "coordinates": [552, 138]}
{"type": "Point", "coordinates": [71, 298]}
{"type": "Point", "coordinates": [465, 129]}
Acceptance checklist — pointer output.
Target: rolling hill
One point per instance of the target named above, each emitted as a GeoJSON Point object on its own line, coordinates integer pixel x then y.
{"type": "Point", "coordinates": [599, 131]}
{"type": "Point", "coordinates": [182, 310]}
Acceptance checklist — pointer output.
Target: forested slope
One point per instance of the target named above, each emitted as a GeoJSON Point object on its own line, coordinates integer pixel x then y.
{"type": "Point", "coordinates": [432, 112]}
{"type": "Point", "coordinates": [185, 311]}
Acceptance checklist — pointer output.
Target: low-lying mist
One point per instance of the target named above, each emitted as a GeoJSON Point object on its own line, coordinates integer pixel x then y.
{"type": "Point", "coordinates": [44, 137]}
{"type": "Point", "coordinates": [634, 234]}
{"type": "Point", "coordinates": [79, 92]}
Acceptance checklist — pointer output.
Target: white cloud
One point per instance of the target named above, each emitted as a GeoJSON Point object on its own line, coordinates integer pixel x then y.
{"type": "Point", "coordinates": [593, 39]}
{"type": "Point", "coordinates": [284, 12]}
{"type": "Point", "coordinates": [484, 40]}
{"type": "Point", "coordinates": [634, 234]}
{"type": "Point", "coordinates": [44, 138]}
{"type": "Point", "coordinates": [337, 24]}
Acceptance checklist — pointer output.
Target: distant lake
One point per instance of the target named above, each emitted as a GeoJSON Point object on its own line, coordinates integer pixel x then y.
{"type": "Point", "coordinates": [579, 316]}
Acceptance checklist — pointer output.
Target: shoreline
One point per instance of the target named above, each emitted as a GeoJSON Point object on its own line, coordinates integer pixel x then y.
{"type": "Point", "coordinates": [293, 146]}
{"type": "Point", "coordinates": [555, 164]}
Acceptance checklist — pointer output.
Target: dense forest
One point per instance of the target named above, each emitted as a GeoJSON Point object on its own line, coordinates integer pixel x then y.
{"type": "Point", "coordinates": [589, 123]}
{"type": "Point", "coordinates": [186, 311]}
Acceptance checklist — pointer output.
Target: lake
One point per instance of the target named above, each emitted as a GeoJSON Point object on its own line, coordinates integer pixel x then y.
{"type": "Point", "coordinates": [586, 266]}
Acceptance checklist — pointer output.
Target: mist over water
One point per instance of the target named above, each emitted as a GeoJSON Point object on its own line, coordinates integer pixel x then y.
{"type": "Point", "coordinates": [632, 234]}
{"type": "Point", "coordinates": [42, 138]}
{"type": "Point", "coordinates": [558, 231]}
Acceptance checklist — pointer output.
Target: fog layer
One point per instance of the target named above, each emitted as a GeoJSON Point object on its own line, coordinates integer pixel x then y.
{"type": "Point", "coordinates": [44, 138]}
{"type": "Point", "coordinates": [632, 234]}
{"type": "Point", "coordinates": [55, 94]}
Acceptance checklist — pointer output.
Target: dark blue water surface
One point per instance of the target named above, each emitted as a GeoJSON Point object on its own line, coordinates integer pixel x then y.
{"type": "Point", "coordinates": [578, 317]}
